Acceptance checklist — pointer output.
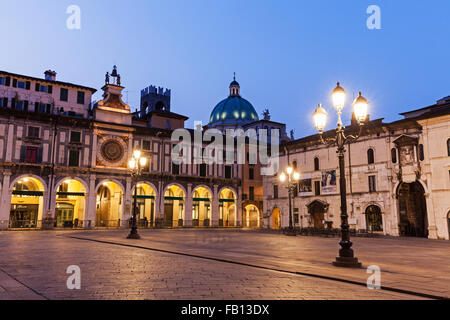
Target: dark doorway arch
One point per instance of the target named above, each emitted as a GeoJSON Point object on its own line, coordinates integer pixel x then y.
{"type": "Point", "coordinates": [374, 219]}
{"type": "Point", "coordinates": [412, 210]}
{"type": "Point", "coordinates": [317, 210]}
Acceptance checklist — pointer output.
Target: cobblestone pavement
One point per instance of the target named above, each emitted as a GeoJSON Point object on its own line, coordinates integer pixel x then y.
{"type": "Point", "coordinates": [33, 266]}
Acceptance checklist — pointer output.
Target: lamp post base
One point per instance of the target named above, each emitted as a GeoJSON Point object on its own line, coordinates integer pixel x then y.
{"type": "Point", "coordinates": [347, 262]}
{"type": "Point", "coordinates": [290, 233]}
{"type": "Point", "coordinates": [133, 235]}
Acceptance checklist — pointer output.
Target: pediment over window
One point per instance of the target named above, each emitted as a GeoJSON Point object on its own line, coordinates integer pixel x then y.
{"type": "Point", "coordinates": [406, 140]}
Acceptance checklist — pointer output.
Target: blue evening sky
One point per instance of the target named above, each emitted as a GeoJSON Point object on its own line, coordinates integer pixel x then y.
{"type": "Point", "coordinates": [288, 55]}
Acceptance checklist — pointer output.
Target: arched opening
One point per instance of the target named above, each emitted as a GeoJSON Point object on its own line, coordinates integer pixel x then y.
{"type": "Point", "coordinates": [317, 211]}
{"type": "Point", "coordinates": [70, 204]}
{"type": "Point", "coordinates": [109, 205]}
{"type": "Point", "coordinates": [27, 203]}
{"type": "Point", "coordinates": [374, 219]}
{"type": "Point", "coordinates": [160, 105]}
{"type": "Point", "coordinates": [370, 156]}
{"type": "Point", "coordinates": [316, 164]}
{"type": "Point", "coordinates": [251, 216]}
{"type": "Point", "coordinates": [227, 208]}
{"type": "Point", "coordinates": [173, 207]}
{"type": "Point", "coordinates": [201, 207]}
{"type": "Point", "coordinates": [276, 219]}
{"type": "Point", "coordinates": [145, 202]}
{"type": "Point", "coordinates": [412, 210]}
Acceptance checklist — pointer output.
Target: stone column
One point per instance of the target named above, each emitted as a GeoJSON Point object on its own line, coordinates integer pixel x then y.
{"type": "Point", "coordinates": [432, 228]}
{"type": "Point", "coordinates": [91, 204]}
{"type": "Point", "coordinates": [239, 208]}
{"type": "Point", "coordinates": [215, 207]}
{"type": "Point", "coordinates": [127, 202]}
{"type": "Point", "coordinates": [188, 207]}
{"type": "Point", "coordinates": [5, 201]}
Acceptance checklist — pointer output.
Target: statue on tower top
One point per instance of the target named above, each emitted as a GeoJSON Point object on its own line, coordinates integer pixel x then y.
{"type": "Point", "coordinates": [115, 75]}
{"type": "Point", "coordinates": [266, 115]}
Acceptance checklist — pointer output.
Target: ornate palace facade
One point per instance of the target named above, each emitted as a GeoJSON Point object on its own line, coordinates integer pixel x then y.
{"type": "Point", "coordinates": [64, 160]}
{"type": "Point", "coordinates": [398, 178]}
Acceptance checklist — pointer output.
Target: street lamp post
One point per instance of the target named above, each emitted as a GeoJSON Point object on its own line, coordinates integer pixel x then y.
{"type": "Point", "coordinates": [136, 164]}
{"type": "Point", "coordinates": [291, 178]}
{"type": "Point", "coordinates": [346, 256]}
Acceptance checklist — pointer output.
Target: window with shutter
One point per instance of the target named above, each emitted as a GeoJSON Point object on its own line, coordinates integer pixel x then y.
{"type": "Point", "coordinates": [37, 87]}
{"type": "Point", "coordinates": [74, 158]}
{"type": "Point", "coordinates": [50, 89]}
{"type": "Point", "coordinates": [28, 85]}
{"type": "Point", "coordinates": [48, 108]}
{"type": "Point", "coordinates": [64, 94]}
{"type": "Point", "coordinates": [8, 81]}
{"type": "Point", "coordinates": [80, 97]}
{"type": "Point", "coordinates": [23, 153]}
{"type": "Point", "coordinates": [31, 155]}
{"type": "Point", "coordinates": [14, 83]}
{"type": "Point", "coordinates": [25, 105]}
{"type": "Point", "coordinates": [39, 155]}
{"type": "Point", "coordinates": [13, 103]}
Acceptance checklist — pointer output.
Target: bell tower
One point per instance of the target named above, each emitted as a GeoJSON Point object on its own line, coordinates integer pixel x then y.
{"type": "Point", "coordinates": [112, 108]}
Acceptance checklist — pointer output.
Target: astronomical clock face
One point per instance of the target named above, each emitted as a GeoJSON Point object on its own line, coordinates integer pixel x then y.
{"type": "Point", "coordinates": [112, 151]}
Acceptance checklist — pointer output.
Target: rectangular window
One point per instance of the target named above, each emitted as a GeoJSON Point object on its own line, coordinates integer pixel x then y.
{"type": "Point", "coordinates": [31, 155]}
{"type": "Point", "coordinates": [75, 136]}
{"type": "Point", "coordinates": [2, 81]}
{"type": "Point", "coordinates": [37, 87]}
{"type": "Point", "coordinates": [64, 94]}
{"type": "Point", "coordinates": [317, 187]}
{"type": "Point", "coordinates": [43, 88]}
{"type": "Point", "coordinates": [251, 191]}
{"type": "Point", "coordinates": [7, 81]}
{"type": "Point", "coordinates": [80, 97]}
{"type": "Point", "coordinates": [74, 158]}
{"type": "Point", "coordinates": [33, 132]}
{"type": "Point", "coordinates": [251, 174]}
{"type": "Point", "coordinates": [21, 85]}
{"type": "Point", "coordinates": [3, 102]}
{"type": "Point", "coordinates": [19, 105]}
{"type": "Point", "coordinates": [175, 169]}
{"type": "Point", "coordinates": [203, 170]}
{"type": "Point", "coordinates": [372, 184]}
{"type": "Point", "coordinates": [227, 172]}
{"type": "Point", "coordinates": [146, 145]}
{"type": "Point", "coordinates": [14, 83]}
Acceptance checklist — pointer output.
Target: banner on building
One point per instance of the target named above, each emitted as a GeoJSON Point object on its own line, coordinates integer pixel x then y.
{"type": "Point", "coordinates": [329, 182]}
{"type": "Point", "coordinates": [305, 186]}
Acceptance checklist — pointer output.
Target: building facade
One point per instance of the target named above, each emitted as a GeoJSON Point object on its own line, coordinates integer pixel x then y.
{"type": "Point", "coordinates": [398, 178]}
{"type": "Point", "coordinates": [64, 161]}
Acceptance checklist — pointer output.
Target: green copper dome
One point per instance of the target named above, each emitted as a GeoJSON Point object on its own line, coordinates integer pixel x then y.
{"type": "Point", "coordinates": [234, 110]}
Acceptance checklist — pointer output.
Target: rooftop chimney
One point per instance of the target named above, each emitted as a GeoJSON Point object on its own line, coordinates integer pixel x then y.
{"type": "Point", "coordinates": [50, 75]}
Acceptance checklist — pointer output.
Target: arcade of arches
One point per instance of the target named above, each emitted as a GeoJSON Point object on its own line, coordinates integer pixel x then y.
{"type": "Point", "coordinates": [251, 218]}
{"type": "Point", "coordinates": [227, 208]}
{"type": "Point", "coordinates": [70, 204]}
{"type": "Point", "coordinates": [27, 203]}
{"type": "Point", "coordinates": [201, 207]}
{"type": "Point", "coordinates": [173, 206]}
{"type": "Point", "coordinates": [109, 205]}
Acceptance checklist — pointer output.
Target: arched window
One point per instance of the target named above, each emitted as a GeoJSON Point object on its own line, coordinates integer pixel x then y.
{"type": "Point", "coordinates": [448, 147]}
{"type": "Point", "coordinates": [370, 156]}
{"type": "Point", "coordinates": [421, 153]}
{"type": "Point", "coordinates": [316, 164]}
{"type": "Point", "coordinates": [394, 155]}
{"type": "Point", "coordinates": [294, 165]}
